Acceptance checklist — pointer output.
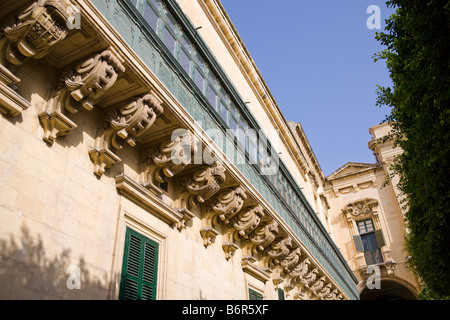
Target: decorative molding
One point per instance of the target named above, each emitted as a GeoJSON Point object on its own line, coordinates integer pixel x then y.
{"type": "Point", "coordinates": [11, 103]}
{"type": "Point", "coordinates": [204, 183]}
{"type": "Point", "coordinates": [127, 123]}
{"type": "Point", "coordinates": [245, 221]}
{"type": "Point", "coordinates": [169, 158]}
{"type": "Point", "coordinates": [133, 191]}
{"type": "Point", "coordinates": [34, 32]}
{"type": "Point", "coordinates": [81, 86]}
{"type": "Point", "coordinates": [30, 35]}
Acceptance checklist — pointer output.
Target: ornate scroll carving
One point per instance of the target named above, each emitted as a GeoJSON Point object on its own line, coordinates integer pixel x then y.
{"type": "Point", "coordinates": [300, 270]}
{"type": "Point", "coordinates": [246, 221]}
{"type": "Point", "coordinates": [131, 121]}
{"type": "Point", "coordinates": [223, 207]}
{"type": "Point", "coordinates": [278, 250]}
{"type": "Point", "coordinates": [127, 123]}
{"type": "Point", "coordinates": [333, 295]}
{"type": "Point", "coordinates": [31, 34]}
{"type": "Point", "coordinates": [228, 204]}
{"type": "Point", "coordinates": [263, 235]}
{"type": "Point", "coordinates": [317, 285]}
{"type": "Point", "coordinates": [79, 87]}
{"type": "Point", "coordinates": [204, 183]}
{"type": "Point", "coordinates": [91, 79]}
{"type": "Point", "coordinates": [291, 260]}
{"type": "Point", "coordinates": [169, 159]}
{"type": "Point", "coordinates": [308, 279]}
{"type": "Point", "coordinates": [34, 32]}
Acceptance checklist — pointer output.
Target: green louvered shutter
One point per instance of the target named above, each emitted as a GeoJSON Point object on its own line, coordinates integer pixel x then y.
{"type": "Point", "coordinates": [254, 295]}
{"type": "Point", "coordinates": [280, 294]}
{"type": "Point", "coordinates": [358, 243]}
{"type": "Point", "coordinates": [139, 269]}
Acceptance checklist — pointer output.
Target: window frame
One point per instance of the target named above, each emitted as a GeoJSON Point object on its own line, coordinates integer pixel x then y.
{"type": "Point", "coordinates": [125, 274]}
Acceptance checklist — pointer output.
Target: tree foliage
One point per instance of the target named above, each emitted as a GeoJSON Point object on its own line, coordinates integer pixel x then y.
{"type": "Point", "coordinates": [416, 44]}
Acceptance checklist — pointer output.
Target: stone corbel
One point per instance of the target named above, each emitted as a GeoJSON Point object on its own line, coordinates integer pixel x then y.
{"type": "Point", "coordinates": [309, 278]}
{"type": "Point", "coordinates": [204, 183]}
{"type": "Point", "coordinates": [299, 295]}
{"type": "Point", "coordinates": [318, 285]}
{"type": "Point", "coordinates": [30, 35]}
{"type": "Point", "coordinates": [229, 203]}
{"type": "Point", "coordinates": [291, 260]}
{"type": "Point", "coordinates": [208, 235]}
{"type": "Point", "coordinates": [277, 278]}
{"type": "Point", "coordinates": [186, 216]}
{"type": "Point", "coordinates": [331, 295]}
{"type": "Point", "coordinates": [80, 87]}
{"type": "Point", "coordinates": [168, 159]}
{"type": "Point", "coordinates": [246, 221]}
{"type": "Point", "coordinates": [263, 235]}
{"type": "Point", "coordinates": [228, 245]}
{"type": "Point", "coordinates": [300, 270]}
{"type": "Point", "coordinates": [221, 208]}
{"type": "Point", "coordinates": [127, 123]}
{"type": "Point", "coordinates": [278, 250]}
{"type": "Point", "coordinates": [288, 287]}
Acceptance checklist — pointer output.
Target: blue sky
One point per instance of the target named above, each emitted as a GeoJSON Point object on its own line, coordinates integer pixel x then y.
{"type": "Point", "coordinates": [316, 58]}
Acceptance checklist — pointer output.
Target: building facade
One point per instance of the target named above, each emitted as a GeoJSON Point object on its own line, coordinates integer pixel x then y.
{"type": "Point", "coordinates": [368, 222]}
{"type": "Point", "coordinates": [142, 156]}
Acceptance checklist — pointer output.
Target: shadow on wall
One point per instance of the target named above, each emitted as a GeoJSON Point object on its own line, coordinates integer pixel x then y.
{"type": "Point", "coordinates": [27, 273]}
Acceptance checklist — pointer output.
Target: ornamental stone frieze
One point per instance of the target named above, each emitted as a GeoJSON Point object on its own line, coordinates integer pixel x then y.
{"type": "Point", "coordinates": [127, 123]}
{"type": "Point", "coordinates": [79, 87]}
{"type": "Point", "coordinates": [30, 35]}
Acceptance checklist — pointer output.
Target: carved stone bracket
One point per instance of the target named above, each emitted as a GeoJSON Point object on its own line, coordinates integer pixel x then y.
{"type": "Point", "coordinates": [228, 203]}
{"type": "Point", "coordinates": [278, 250]}
{"type": "Point", "coordinates": [208, 235]}
{"type": "Point", "coordinates": [127, 123]}
{"type": "Point", "coordinates": [246, 221]}
{"type": "Point", "coordinates": [309, 278]}
{"type": "Point", "coordinates": [30, 35]}
{"type": "Point", "coordinates": [204, 183]}
{"type": "Point", "coordinates": [263, 235]}
{"type": "Point", "coordinates": [102, 160]}
{"type": "Point", "coordinates": [79, 87]}
{"type": "Point", "coordinates": [230, 248]}
{"type": "Point", "coordinates": [186, 216]}
{"type": "Point", "coordinates": [34, 32]}
{"type": "Point", "coordinates": [169, 158]}
{"type": "Point", "coordinates": [220, 208]}
{"type": "Point", "coordinates": [91, 78]}
{"type": "Point", "coordinates": [55, 124]}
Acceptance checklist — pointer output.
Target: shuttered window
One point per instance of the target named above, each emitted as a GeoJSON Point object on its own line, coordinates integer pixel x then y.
{"type": "Point", "coordinates": [369, 241]}
{"type": "Point", "coordinates": [139, 268]}
{"type": "Point", "coordinates": [280, 294]}
{"type": "Point", "coordinates": [254, 295]}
